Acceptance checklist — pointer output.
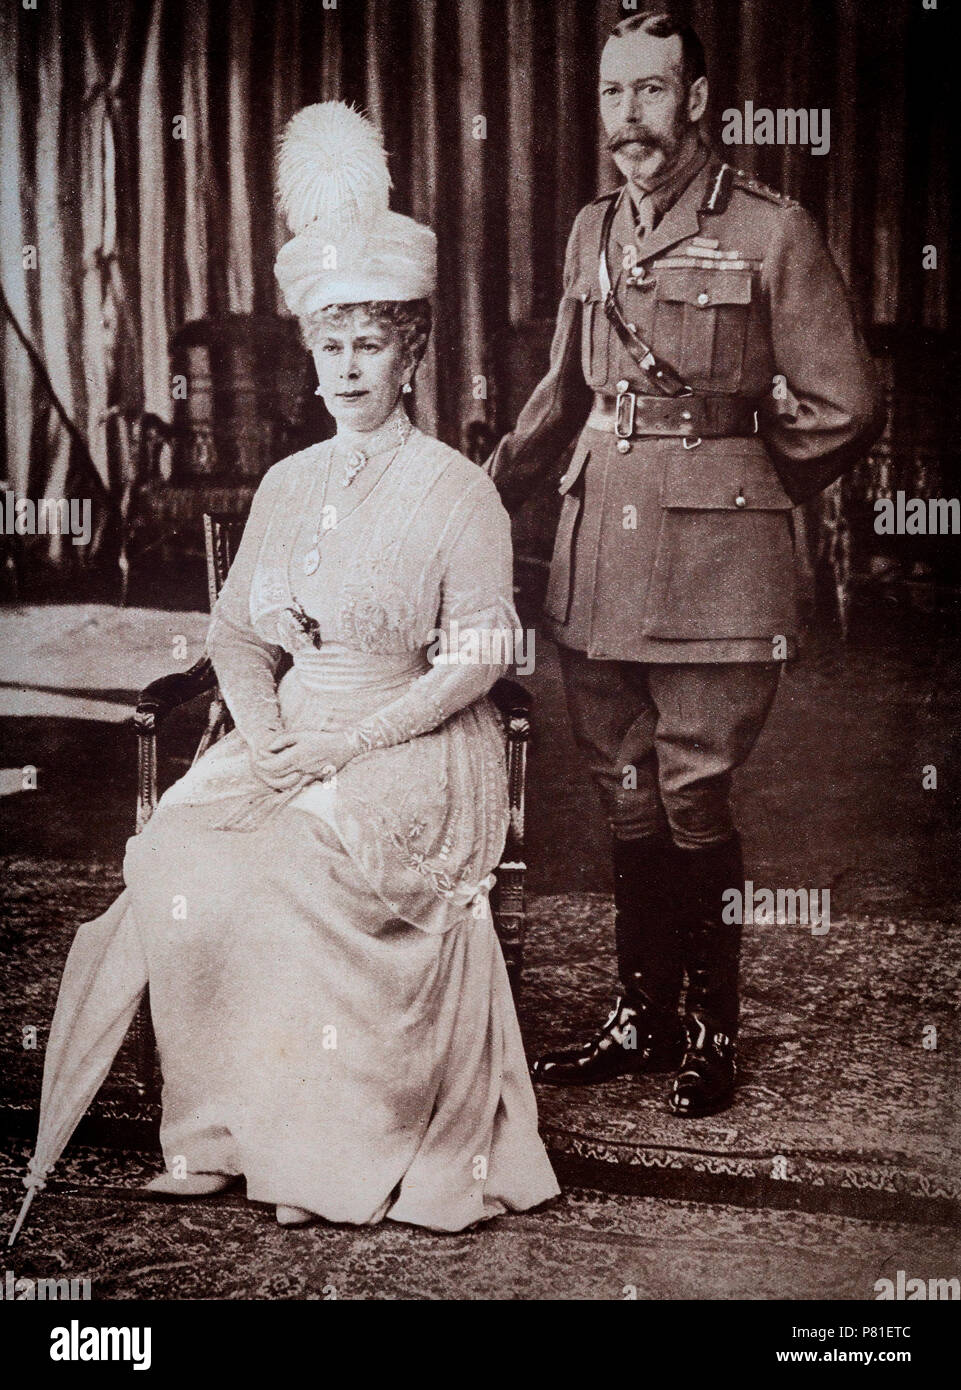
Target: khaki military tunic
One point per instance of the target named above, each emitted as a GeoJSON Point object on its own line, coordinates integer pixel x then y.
{"type": "Point", "coordinates": [667, 553]}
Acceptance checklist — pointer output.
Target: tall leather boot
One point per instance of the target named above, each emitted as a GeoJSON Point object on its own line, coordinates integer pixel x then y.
{"type": "Point", "coordinates": [642, 1032]}
{"type": "Point", "coordinates": [705, 1082]}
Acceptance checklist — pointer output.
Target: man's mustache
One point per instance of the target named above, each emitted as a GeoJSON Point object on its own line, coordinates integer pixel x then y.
{"type": "Point", "coordinates": [630, 137]}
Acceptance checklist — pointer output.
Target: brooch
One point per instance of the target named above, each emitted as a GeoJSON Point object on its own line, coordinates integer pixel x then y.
{"type": "Point", "coordinates": [309, 626]}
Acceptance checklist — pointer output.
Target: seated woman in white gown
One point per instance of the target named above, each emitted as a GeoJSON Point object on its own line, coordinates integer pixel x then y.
{"type": "Point", "coordinates": [331, 1006]}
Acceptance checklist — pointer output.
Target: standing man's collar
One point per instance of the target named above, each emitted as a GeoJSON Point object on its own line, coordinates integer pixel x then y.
{"type": "Point", "coordinates": [667, 191]}
{"type": "Point", "coordinates": [682, 218]}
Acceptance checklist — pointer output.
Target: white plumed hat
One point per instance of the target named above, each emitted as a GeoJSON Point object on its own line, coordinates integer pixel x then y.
{"type": "Point", "coordinates": [333, 188]}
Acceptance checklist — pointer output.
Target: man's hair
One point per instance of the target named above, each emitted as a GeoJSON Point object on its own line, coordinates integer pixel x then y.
{"type": "Point", "coordinates": [661, 24]}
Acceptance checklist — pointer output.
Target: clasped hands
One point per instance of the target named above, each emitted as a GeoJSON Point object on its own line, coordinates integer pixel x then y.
{"type": "Point", "coordinates": [297, 757]}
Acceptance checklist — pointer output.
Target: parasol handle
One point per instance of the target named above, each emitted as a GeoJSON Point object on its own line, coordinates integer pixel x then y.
{"type": "Point", "coordinates": [24, 1208]}
{"type": "Point", "coordinates": [35, 1179]}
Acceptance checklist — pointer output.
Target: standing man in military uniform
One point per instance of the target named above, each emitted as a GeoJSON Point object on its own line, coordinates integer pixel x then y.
{"type": "Point", "coordinates": [707, 358]}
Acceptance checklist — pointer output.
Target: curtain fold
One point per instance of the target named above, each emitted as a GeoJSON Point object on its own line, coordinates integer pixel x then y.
{"type": "Point", "coordinates": [189, 136]}
{"type": "Point", "coordinates": [153, 174]}
{"type": "Point", "coordinates": [17, 217]}
{"type": "Point", "coordinates": [240, 129]}
{"type": "Point", "coordinates": [424, 181]}
{"type": "Point", "coordinates": [138, 230]}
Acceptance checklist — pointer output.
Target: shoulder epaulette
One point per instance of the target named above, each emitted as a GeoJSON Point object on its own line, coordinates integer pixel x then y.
{"type": "Point", "coordinates": [762, 190]}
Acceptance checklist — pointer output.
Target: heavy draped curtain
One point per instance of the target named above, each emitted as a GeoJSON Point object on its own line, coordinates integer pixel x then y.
{"type": "Point", "coordinates": [137, 140]}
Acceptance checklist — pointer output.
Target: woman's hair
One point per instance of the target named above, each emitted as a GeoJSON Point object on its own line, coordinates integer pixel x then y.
{"type": "Point", "coordinates": [411, 318]}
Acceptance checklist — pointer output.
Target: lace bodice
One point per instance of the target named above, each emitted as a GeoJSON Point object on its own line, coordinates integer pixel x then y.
{"type": "Point", "coordinates": [426, 553]}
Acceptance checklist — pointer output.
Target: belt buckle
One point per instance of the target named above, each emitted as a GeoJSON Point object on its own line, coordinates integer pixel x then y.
{"type": "Point", "coordinates": [631, 398]}
{"type": "Point", "coordinates": [687, 442]}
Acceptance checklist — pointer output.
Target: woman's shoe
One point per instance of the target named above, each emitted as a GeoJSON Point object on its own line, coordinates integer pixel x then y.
{"type": "Point", "coordinates": [190, 1185]}
{"type": "Point", "coordinates": [293, 1216]}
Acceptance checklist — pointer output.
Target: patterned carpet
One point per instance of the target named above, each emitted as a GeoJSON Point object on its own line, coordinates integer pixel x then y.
{"type": "Point", "coordinates": [586, 1245]}
{"type": "Point", "coordinates": [842, 1105]}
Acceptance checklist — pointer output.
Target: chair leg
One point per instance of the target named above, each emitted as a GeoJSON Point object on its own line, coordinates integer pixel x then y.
{"type": "Point", "coordinates": [510, 920]}
{"type": "Point", "coordinates": [145, 1051]}
{"type": "Point", "coordinates": [146, 769]}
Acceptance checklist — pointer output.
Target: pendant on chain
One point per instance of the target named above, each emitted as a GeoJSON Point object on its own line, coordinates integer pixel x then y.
{"type": "Point", "coordinates": [355, 462]}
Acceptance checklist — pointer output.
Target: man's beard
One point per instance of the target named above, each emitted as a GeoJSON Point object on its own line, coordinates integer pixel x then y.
{"type": "Point", "coordinates": [646, 143]}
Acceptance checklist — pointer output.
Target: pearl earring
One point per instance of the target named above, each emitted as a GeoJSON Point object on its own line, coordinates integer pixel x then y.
{"type": "Point", "coordinates": [318, 391]}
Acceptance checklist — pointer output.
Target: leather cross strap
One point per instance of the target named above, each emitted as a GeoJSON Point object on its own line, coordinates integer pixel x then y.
{"type": "Point", "coordinates": [663, 378]}
{"type": "Point", "coordinates": [706, 417]}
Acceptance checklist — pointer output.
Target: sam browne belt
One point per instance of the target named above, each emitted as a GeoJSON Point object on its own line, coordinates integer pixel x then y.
{"type": "Point", "coordinates": [695, 417]}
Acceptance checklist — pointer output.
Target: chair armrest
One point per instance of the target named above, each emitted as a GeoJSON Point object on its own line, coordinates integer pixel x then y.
{"type": "Point", "coordinates": [162, 696]}
{"type": "Point", "coordinates": [155, 703]}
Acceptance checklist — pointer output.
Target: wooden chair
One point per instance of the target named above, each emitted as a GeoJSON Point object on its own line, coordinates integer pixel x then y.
{"type": "Point", "coordinates": [918, 454]}
{"type": "Point", "coordinates": [242, 400]}
{"type": "Point", "coordinates": [221, 535]}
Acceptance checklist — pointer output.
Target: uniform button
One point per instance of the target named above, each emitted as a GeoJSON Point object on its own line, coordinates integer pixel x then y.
{"type": "Point", "coordinates": [584, 295]}
{"type": "Point", "coordinates": [704, 297]}
{"type": "Point", "coordinates": [623, 446]}
{"type": "Point", "coordinates": [740, 500]}
{"type": "Point", "coordinates": [686, 415]}
{"type": "Point", "coordinates": [623, 384]}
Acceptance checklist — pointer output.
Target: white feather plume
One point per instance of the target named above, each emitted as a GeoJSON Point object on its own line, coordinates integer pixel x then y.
{"type": "Point", "coordinates": [331, 169]}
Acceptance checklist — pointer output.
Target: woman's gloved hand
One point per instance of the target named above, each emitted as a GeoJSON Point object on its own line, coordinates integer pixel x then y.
{"type": "Point", "coordinates": [299, 757]}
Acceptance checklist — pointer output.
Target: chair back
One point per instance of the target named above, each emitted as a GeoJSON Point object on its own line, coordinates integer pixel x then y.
{"type": "Point", "coordinates": [248, 398]}
{"type": "Point", "coordinates": [222, 533]}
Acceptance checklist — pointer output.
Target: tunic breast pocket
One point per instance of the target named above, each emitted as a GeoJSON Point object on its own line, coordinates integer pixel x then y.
{"type": "Point", "coordinates": [595, 334]}
{"type": "Point", "coordinates": [700, 325]}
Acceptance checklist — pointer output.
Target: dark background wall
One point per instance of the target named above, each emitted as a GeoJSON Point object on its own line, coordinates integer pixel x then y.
{"type": "Point", "coordinates": [137, 231]}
